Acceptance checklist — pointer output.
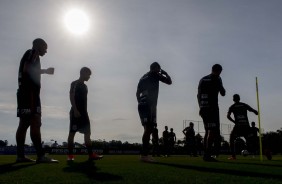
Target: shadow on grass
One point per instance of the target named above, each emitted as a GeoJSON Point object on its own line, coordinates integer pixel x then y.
{"type": "Point", "coordinates": [91, 171]}
{"type": "Point", "coordinates": [6, 168]}
{"type": "Point", "coordinates": [269, 164]}
{"type": "Point", "coordinates": [223, 171]}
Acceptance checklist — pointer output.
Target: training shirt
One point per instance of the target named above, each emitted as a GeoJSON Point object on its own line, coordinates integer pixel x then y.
{"type": "Point", "coordinates": [165, 135]}
{"type": "Point", "coordinates": [239, 111]}
{"type": "Point", "coordinates": [148, 88]}
{"type": "Point", "coordinates": [29, 75]}
{"type": "Point", "coordinates": [80, 91]}
{"type": "Point", "coordinates": [208, 89]}
{"type": "Point", "coordinates": [189, 132]}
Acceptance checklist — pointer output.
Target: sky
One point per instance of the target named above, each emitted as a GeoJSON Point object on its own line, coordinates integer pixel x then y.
{"type": "Point", "coordinates": [125, 36]}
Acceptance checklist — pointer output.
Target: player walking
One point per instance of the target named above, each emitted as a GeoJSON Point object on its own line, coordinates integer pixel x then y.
{"type": "Point", "coordinates": [79, 119]}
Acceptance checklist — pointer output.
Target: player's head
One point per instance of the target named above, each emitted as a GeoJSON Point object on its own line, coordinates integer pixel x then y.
{"type": "Point", "coordinates": [155, 67]}
{"type": "Point", "coordinates": [85, 73]}
{"type": "Point", "coordinates": [166, 128]}
{"type": "Point", "coordinates": [191, 124]}
{"type": "Point", "coordinates": [40, 45]}
{"type": "Point", "coordinates": [253, 124]}
{"type": "Point", "coordinates": [171, 129]}
{"type": "Point", "coordinates": [216, 69]}
{"type": "Point", "coordinates": [236, 98]}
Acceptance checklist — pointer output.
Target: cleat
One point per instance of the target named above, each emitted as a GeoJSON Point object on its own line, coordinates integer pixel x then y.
{"type": "Point", "coordinates": [45, 159]}
{"type": "Point", "coordinates": [232, 158]}
{"type": "Point", "coordinates": [24, 159]}
{"type": "Point", "coordinates": [95, 156]}
{"type": "Point", "coordinates": [70, 158]}
{"type": "Point", "coordinates": [147, 159]}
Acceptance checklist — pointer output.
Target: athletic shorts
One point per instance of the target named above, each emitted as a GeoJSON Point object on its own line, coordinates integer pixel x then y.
{"type": "Point", "coordinates": [148, 114]}
{"type": "Point", "coordinates": [239, 131]}
{"type": "Point", "coordinates": [28, 103]}
{"type": "Point", "coordinates": [80, 124]}
{"type": "Point", "coordinates": [210, 118]}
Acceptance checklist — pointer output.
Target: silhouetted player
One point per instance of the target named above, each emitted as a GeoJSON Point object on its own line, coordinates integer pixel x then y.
{"type": "Point", "coordinates": [79, 119]}
{"type": "Point", "coordinates": [171, 140]}
{"type": "Point", "coordinates": [208, 89]}
{"type": "Point", "coordinates": [190, 140]}
{"type": "Point", "coordinates": [28, 99]}
{"type": "Point", "coordinates": [147, 97]}
{"type": "Point", "coordinates": [155, 141]}
{"type": "Point", "coordinates": [166, 142]}
{"type": "Point", "coordinates": [254, 139]}
{"type": "Point", "coordinates": [242, 127]}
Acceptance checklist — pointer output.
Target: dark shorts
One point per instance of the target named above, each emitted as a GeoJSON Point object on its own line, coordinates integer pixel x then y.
{"type": "Point", "coordinates": [148, 114]}
{"type": "Point", "coordinates": [28, 103]}
{"type": "Point", "coordinates": [210, 118]}
{"type": "Point", "coordinates": [241, 131]}
{"type": "Point", "coordinates": [80, 124]}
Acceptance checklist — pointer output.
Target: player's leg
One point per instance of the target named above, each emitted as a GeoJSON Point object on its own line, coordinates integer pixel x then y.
{"type": "Point", "coordinates": [232, 144]}
{"type": "Point", "coordinates": [35, 134]}
{"type": "Point", "coordinates": [20, 138]}
{"type": "Point", "coordinates": [70, 156]}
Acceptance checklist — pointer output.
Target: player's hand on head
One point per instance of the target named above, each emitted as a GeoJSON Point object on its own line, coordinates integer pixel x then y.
{"type": "Point", "coordinates": [163, 72]}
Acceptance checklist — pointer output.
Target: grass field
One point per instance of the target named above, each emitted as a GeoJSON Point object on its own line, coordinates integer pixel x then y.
{"type": "Point", "coordinates": [128, 169]}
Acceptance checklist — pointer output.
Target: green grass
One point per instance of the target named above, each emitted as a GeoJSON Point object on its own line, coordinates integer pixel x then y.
{"type": "Point", "coordinates": [128, 169]}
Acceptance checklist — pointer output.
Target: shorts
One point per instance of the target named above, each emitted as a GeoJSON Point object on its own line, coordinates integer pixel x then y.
{"type": "Point", "coordinates": [148, 114]}
{"type": "Point", "coordinates": [28, 103]}
{"type": "Point", "coordinates": [241, 131]}
{"type": "Point", "coordinates": [210, 118]}
{"type": "Point", "coordinates": [80, 124]}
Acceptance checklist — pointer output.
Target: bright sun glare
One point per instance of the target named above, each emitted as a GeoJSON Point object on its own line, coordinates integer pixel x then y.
{"type": "Point", "coordinates": [77, 21]}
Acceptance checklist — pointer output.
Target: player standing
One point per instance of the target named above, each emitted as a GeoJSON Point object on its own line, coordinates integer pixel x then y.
{"type": "Point", "coordinates": [242, 127]}
{"type": "Point", "coordinates": [79, 119]}
{"type": "Point", "coordinates": [165, 142]}
{"type": "Point", "coordinates": [208, 89]}
{"type": "Point", "coordinates": [190, 139]}
{"type": "Point", "coordinates": [29, 104]}
{"type": "Point", "coordinates": [147, 97]}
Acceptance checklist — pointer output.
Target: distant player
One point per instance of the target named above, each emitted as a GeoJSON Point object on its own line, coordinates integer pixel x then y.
{"type": "Point", "coordinates": [166, 142]}
{"type": "Point", "coordinates": [147, 97]}
{"type": "Point", "coordinates": [208, 89]}
{"type": "Point", "coordinates": [171, 140]}
{"type": "Point", "coordinates": [242, 127]}
{"type": "Point", "coordinates": [79, 119]}
{"type": "Point", "coordinates": [155, 141]}
{"type": "Point", "coordinates": [254, 139]}
{"type": "Point", "coordinates": [190, 139]}
{"type": "Point", "coordinates": [29, 104]}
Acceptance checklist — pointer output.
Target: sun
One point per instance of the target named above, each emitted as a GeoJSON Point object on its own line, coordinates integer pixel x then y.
{"type": "Point", "coordinates": [76, 21]}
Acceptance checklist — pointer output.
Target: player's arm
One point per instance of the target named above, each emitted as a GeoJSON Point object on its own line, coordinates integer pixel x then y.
{"type": "Point", "coordinates": [229, 116]}
{"type": "Point", "coordinates": [184, 131]}
{"type": "Point", "coordinates": [221, 88]}
{"type": "Point", "coordinates": [72, 101]}
{"type": "Point", "coordinates": [49, 71]}
{"type": "Point", "coordinates": [252, 110]}
{"type": "Point", "coordinates": [165, 78]}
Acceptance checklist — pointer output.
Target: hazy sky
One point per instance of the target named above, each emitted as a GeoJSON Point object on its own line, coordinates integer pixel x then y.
{"type": "Point", "coordinates": [125, 36]}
